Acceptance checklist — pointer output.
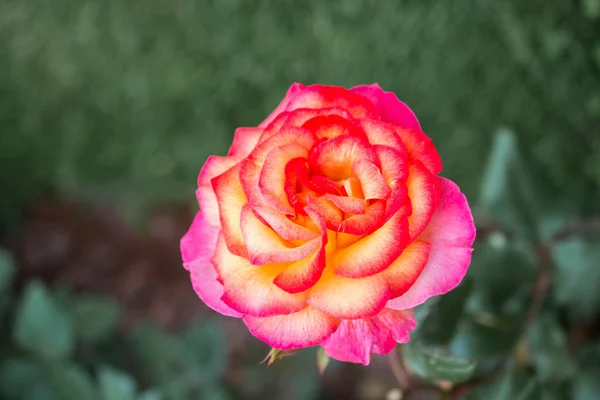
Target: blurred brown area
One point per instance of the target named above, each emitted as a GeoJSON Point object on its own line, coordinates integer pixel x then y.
{"type": "Point", "coordinates": [92, 249]}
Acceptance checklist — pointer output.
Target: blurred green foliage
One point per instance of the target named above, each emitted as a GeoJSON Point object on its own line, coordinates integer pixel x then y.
{"type": "Point", "coordinates": [125, 100]}
{"type": "Point", "coordinates": [506, 328]}
{"type": "Point", "coordinates": [51, 354]}
{"type": "Point", "coordinates": [121, 102]}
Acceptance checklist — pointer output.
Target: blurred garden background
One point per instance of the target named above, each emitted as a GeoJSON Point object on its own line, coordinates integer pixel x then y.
{"type": "Point", "coordinates": [109, 108]}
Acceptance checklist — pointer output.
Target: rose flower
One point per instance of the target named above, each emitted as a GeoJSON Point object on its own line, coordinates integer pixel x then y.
{"type": "Point", "coordinates": [328, 223]}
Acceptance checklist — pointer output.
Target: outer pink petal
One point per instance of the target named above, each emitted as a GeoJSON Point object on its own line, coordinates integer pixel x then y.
{"type": "Point", "coordinates": [452, 224]}
{"type": "Point", "coordinates": [390, 108]}
{"type": "Point", "coordinates": [321, 96]}
{"type": "Point", "coordinates": [197, 248]}
{"type": "Point", "coordinates": [231, 199]}
{"type": "Point", "coordinates": [244, 141]}
{"type": "Point", "coordinates": [213, 167]}
{"type": "Point", "coordinates": [451, 233]}
{"type": "Point", "coordinates": [355, 340]}
{"type": "Point", "coordinates": [304, 328]}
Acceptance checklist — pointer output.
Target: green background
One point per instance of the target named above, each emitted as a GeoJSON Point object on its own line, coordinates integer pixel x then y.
{"type": "Point", "coordinates": [118, 103]}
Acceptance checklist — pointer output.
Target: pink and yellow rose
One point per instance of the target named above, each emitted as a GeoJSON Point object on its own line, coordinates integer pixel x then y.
{"type": "Point", "coordinates": [328, 223]}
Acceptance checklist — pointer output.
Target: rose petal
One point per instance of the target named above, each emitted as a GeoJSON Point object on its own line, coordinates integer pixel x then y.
{"type": "Point", "coordinates": [397, 324]}
{"type": "Point", "coordinates": [327, 210]}
{"type": "Point", "coordinates": [249, 289]}
{"type": "Point", "coordinates": [250, 168]}
{"type": "Point", "coordinates": [323, 185]}
{"type": "Point", "coordinates": [452, 222]}
{"type": "Point", "coordinates": [382, 133]}
{"type": "Point", "coordinates": [405, 270]}
{"type": "Point", "coordinates": [353, 188]}
{"type": "Point", "coordinates": [394, 168]}
{"type": "Point", "coordinates": [348, 298]}
{"type": "Point", "coordinates": [451, 235]}
{"type": "Point", "coordinates": [372, 182]}
{"type": "Point", "coordinates": [213, 167]}
{"type": "Point", "coordinates": [366, 223]}
{"type": "Point", "coordinates": [231, 199]}
{"type": "Point", "coordinates": [420, 147]}
{"type": "Point", "coordinates": [304, 274]}
{"type": "Point", "coordinates": [283, 226]}
{"type": "Point", "coordinates": [319, 96]}
{"type": "Point", "coordinates": [375, 252]}
{"type": "Point", "coordinates": [390, 108]}
{"type": "Point", "coordinates": [334, 157]}
{"type": "Point", "coordinates": [272, 176]}
{"type": "Point", "coordinates": [244, 141]}
{"type": "Point", "coordinates": [305, 328]}
{"type": "Point", "coordinates": [423, 192]}
{"type": "Point", "coordinates": [197, 248]}
{"type": "Point", "coordinates": [348, 204]}
{"type": "Point", "coordinates": [297, 118]}
{"type": "Point", "coordinates": [330, 126]}
{"type": "Point", "coordinates": [265, 246]}
{"type": "Point", "coordinates": [355, 340]}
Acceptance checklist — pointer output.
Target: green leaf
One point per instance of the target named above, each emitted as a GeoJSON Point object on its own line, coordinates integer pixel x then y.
{"type": "Point", "coordinates": [509, 387]}
{"type": "Point", "coordinates": [511, 192]}
{"type": "Point", "coordinates": [73, 383]}
{"type": "Point", "coordinates": [115, 385]}
{"type": "Point", "coordinates": [150, 395]}
{"type": "Point", "coordinates": [553, 391]}
{"type": "Point", "coordinates": [206, 350]}
{"type": "Point", "coordinates": [586, 385]}
{"type": "Point", "coordinates": [503, 275]}
{"type": "Point", "coordinates": [496, 176]}
{"type": "Point", "coordinates": [591, 8]}
{"type": "Point", "coordinates": [181, 363]}
{"type": "Point", "coordinates": [95, 318]}
{"type": "Point", "coordinates": [578, 277]}
{"type": "Point", "coordinates": [22, 379]}
{"type": "Point", "coordinates": [443, 317]}
{"type": "Point", "coordinates": [41, 326]}
{"type": "Point", "coordinates": [548, 349]}
{"type": "Point", "coordinates": [160, 353]}
{"type": "Point", "coordinates": [7, 270]}
{"type": "Point", "coordinates": [212, 392]}
{"type": "Point", "coordinates": [483, 335]}
{"type": "Point", "coordinates": [435, 364]}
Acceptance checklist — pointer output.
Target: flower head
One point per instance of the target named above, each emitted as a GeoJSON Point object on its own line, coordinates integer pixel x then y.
{"type": "Point", "coordinates": [327, 223]}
